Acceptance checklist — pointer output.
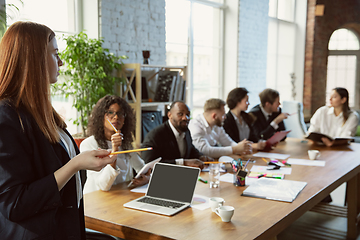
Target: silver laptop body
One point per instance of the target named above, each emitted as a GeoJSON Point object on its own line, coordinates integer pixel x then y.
{"type": "Point", "coordinates": [170, 183]}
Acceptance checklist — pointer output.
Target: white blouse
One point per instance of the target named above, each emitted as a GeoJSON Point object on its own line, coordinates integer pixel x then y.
{"type": "Point", "coordinates": [108, 176]}
{"type": "Point", "coordinates": [324, 121]}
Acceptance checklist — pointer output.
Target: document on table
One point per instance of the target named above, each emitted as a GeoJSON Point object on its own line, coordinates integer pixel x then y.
{"type": "Point", "coordinates": [271, 155]}
{"type": "Point", "coordinates": [275, 189]}
{"type": "Point", "coordinates": [296, 161]}
{"type": "Point", "coordinates": [200, 202]}
{"type": "Point", "coordinates": [141, 189]}
{"type": "Point", "coordinates": [265, 169]}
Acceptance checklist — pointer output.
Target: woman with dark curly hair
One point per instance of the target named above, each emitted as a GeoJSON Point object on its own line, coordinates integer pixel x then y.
{"type": "Point", "coordinates": [114, 110]}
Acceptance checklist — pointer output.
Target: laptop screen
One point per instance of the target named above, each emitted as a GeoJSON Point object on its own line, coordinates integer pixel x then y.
{"type": "Point", "coordinates": [173, 182]}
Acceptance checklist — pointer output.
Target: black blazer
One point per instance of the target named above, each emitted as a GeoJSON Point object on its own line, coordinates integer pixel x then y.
{"type": "Point", "coordinates": [262, 128]}
{"type": "Point", "coordinates": [231, 128]}
{"type": "Point", "coordinates": [31, 206]}
{"type": "Point", "coordinates": [164, 144]}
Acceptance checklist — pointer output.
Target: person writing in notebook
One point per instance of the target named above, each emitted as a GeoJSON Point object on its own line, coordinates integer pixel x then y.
{"type": "Point", "coordinates": [210, 137]}
{"type": "Point", "coordinates": [41, 172]}
{"type": "Point", "coordinates": [238, 123]}
{"type": "Point", "coordinates": [172, 140]}
{"type": "Point", "coordinates": [336, 120]}
{"type": "Point", "coordinates": [111, 125]}
{"type": "Point", "coordinates": [268, 116]}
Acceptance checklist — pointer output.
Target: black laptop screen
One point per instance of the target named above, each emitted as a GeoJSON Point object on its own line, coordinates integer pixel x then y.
{"type": "Point", "coordinates": [173, 182]}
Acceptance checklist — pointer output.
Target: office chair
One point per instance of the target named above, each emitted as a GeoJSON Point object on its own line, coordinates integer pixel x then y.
{"type": "Point", "coordinates": [295, 122]}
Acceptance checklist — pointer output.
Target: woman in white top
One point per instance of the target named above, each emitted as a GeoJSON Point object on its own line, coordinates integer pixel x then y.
{"type": "Point", "coordinates": [103, 135]}
{"type": "Point", "coordinates": [337, 120]}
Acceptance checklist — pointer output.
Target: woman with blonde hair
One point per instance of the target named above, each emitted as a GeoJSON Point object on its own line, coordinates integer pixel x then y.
{"type": "Point", "coordinates": [41, 178]}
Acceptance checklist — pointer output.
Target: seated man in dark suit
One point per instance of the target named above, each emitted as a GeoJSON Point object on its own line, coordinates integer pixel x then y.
{"type": "Point", "coordinates": [268, 116]}
{"type": "Point", "coordinates": [172, 140]}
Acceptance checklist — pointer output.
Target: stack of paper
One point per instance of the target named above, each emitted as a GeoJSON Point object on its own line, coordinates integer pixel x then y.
{"type": "Point", "coordinates": [275, 189]}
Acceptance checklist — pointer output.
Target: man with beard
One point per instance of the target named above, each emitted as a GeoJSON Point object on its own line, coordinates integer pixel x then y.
{"type": "Point", "coordinates": [172, 140]}
{"type": "Point", "coordinates": [210, 137]}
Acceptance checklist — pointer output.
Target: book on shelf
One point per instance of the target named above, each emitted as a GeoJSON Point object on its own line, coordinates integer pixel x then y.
{"type": "Point", "coordinates": [166, 84]}
{"type": "Point", "coordinates": [275, 189]}
{"type": "Point", "coordinates": [316, 137]}
{"type": "Point", "coordinates": [178, 89]}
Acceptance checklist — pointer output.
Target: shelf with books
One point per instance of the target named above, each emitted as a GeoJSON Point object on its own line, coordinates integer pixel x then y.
{"type": "Point", "coordinates": [151, 88]}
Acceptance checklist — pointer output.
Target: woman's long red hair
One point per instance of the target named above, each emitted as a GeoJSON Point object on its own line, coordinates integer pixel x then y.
{"type": "Point", "coordinates": [24, 76]}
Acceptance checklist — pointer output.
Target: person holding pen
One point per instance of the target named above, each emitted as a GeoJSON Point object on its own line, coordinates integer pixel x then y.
{"type": "Point", "coordinates": [41, 172]}
{"type": "Point", "coordinates": [111, 124]}
{"type": "Point", "coordinates": [336, 120]}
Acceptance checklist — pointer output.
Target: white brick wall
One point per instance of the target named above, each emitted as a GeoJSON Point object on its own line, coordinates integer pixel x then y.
{"type": "Point", "coordinates": [253, 31]}
{"type": "Point", "coordinates": [130, 26]}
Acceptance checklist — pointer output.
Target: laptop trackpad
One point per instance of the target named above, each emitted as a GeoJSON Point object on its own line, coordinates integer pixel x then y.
{"type": "Point", "coordinates": [150, 207]}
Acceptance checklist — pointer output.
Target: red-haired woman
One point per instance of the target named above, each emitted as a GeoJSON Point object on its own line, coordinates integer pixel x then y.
{"type": "Point", "coordinates": [41, 175]}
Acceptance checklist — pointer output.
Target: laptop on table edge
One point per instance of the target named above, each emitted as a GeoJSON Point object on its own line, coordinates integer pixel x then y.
{"type": "Point", "coordinates": [170, 183]}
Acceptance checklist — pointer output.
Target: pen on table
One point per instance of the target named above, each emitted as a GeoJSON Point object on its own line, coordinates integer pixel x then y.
{"type": "Point", "coordinates": [211, 162]}
{"type": "Point", "coordinates": [132, 150]}
{"type": "Point", "coordinates": [202, 180]}
{"type": "Point", "coordinates": [286, 164]}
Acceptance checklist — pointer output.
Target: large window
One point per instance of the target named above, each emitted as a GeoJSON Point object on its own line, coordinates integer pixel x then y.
{"type": "Point", "coordinates": [343, 64]}
{"type": "Point", "coordinates": [194, 38]}
{"type": "Point", "coordinates": [281, 47]}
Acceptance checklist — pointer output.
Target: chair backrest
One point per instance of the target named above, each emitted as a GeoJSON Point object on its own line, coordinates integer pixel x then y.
{"type": "Point", "coordinates": [295, 122]}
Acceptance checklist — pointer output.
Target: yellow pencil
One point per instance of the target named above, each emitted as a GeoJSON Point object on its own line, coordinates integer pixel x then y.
{"type": "Point", "coordinates": [112, 125]}
{"type": "Point", "coordinates": [211, 162]}
{"type": "Point", "coordinates": [133, 150]}
{"type": "Point", "coordinates": [264, 160]}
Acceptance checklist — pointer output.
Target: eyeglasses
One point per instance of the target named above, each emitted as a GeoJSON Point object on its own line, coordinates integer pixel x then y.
{"type": "Point", "coordinates": [111, 114]}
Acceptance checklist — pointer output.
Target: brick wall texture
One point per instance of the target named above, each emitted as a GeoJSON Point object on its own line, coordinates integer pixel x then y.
{"type": "Point", "coordinates": [131, 26]}
{"type": "Point", "coordinates": [337, 14]}
{"type": "Point", "coordinates": [253, 34]}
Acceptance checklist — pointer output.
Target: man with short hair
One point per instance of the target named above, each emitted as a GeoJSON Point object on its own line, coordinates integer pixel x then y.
{"type": "Point", "coordinates": [268, 115]}
{"type": "Point", "coordinates": [210, 137]}
{"type": "Point", "coordinates": [172, 140]}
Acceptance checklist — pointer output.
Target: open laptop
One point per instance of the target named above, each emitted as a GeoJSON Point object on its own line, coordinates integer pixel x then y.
{"type": "Point", "coordinates": [171, 189]}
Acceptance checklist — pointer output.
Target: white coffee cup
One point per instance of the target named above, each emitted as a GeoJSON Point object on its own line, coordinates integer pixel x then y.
{"type": "Point", "coordinates": [313, 154]}
{"type": "Point", "coordinates": [216, 202]}
{"type": "Point", "coordinates": [225, 212]}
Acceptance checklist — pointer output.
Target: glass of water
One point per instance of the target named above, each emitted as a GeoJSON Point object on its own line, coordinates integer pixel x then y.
{"type": "Point", "coordinates": [214, 175]}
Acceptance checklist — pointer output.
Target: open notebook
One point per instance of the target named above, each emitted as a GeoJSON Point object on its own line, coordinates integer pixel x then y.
{"type": "Point", "coordinates": [171, 189]}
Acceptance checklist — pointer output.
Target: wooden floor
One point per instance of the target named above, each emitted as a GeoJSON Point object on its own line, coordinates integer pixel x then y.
{"type": "Point", "coordinates": [320, 226]}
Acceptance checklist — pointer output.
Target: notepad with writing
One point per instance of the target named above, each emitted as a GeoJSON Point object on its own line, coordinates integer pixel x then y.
{"type": "Point", "coordinates": [275, 189]}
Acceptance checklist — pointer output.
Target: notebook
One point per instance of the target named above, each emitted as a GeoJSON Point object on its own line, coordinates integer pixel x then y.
{"type": "Point", "coordinates": [171, 189]}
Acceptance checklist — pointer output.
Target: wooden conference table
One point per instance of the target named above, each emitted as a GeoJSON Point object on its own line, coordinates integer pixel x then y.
{"type": "Point", "coordinates": [254, 218]}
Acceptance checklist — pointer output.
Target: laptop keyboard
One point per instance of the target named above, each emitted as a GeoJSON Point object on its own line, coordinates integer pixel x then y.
{"type": "Point", "coordinates": [162, 203]}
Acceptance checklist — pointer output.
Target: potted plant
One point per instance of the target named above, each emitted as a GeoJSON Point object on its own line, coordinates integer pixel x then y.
{"type": "Point", "coordinates": [88, 73]}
